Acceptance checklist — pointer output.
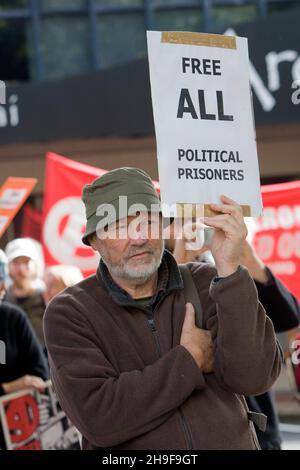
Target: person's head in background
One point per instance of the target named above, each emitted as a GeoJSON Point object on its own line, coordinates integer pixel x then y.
{"type": "Point", "coordinates": [171, 235]}
{"type": "Point", "coordinates": [25, 265]}
{"type": "Point", "coordinates": [57, 278]}
{"type": "Point", "coordinates": [3, 274]}
{"type": "Point", "coordinates": [188, 241]}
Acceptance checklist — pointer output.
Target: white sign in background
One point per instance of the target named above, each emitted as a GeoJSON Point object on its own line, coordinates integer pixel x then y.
{"type": "Point", "coordinates": [181, 140]}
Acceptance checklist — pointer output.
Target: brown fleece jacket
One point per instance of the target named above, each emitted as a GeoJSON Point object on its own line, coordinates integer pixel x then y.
{"type": "Point", "coordinates": [125, 381]}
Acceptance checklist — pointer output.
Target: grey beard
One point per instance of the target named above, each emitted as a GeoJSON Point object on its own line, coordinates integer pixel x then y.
{"type": "Point", "coordinates": [131, 274]}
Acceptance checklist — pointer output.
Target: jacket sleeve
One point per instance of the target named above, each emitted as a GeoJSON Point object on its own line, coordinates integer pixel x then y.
{"type": "Point", "coordinates": [280, 305]}
{"type": "Point", "coordinates": [33, 359]}
{"type": "Point", "coordinates": [247, 357]}
{"type": "Point", "coordinates": [110, 408]}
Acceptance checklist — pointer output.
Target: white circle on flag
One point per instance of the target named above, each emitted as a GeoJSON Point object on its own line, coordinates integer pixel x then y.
{"type": "Point", "coordinates": [64, 246]}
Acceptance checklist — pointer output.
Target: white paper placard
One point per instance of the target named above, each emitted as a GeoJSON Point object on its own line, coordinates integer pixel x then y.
{"type": "Point", "coordinates": [204, 123]}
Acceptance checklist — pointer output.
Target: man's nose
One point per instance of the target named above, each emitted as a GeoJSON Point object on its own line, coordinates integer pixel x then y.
{"type": "Point", "coordinates": [139, 238]}
{"type": "Point", "coordinates": [22, 268]}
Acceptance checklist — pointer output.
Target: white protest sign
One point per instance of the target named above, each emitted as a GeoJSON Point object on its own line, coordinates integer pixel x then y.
{"type": "Point", "coordinates": [203, 118]}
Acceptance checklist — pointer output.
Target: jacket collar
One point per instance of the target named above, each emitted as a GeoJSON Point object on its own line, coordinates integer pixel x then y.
{"type": "Point", "coordinates": [169, 279]}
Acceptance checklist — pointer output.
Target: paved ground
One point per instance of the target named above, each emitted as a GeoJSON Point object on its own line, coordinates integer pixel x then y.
{"type": "Point", "coordinates": [291, 436]}
{"type": "Point", "coordinates": [289, 410]}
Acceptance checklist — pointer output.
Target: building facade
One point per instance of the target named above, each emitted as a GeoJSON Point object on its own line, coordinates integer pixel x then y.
{"type": "Point", "coordinates": [52, 39]}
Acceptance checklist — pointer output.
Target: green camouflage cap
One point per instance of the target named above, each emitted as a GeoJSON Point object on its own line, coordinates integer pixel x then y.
{"type": "Point", "coordinates": [132, 183]}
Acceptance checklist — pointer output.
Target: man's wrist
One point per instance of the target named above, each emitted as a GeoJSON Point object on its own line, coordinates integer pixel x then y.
{"type": "Point", "coordinates": [258, 272]}
{"type": "Point", "coordinates": [265, 279]}
{"type": "Point", "coordinates": [228, 270]}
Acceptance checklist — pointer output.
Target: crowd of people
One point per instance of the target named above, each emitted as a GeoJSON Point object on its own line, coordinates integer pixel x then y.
{"type": "Point", "coordinates": [27, 287]}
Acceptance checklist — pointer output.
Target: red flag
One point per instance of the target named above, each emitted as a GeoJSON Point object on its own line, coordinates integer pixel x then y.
{"type": "Point", "coordinates": [276, 239]}
{"type": "Point", "coordinates": [32, 221]}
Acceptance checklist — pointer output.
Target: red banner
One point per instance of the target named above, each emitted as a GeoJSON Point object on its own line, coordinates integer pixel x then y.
{"type": "Point", "coordinates": [32, 221]}
{"type": "Point", "coordinates": [277, 233]}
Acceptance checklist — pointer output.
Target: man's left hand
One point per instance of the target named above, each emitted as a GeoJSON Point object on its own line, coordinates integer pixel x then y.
{"type": "Point", "coordinates": [229, 237]}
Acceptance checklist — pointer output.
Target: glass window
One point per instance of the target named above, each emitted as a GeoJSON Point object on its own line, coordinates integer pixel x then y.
{"type": "Point", "coordinates": [119, 3]}
{"type": "Point", "coordinates": [65, 46]}
{"type": "Point", "coordinates": [13, 4]}
{"type": "Point", "coordinates": [280, 6]}
{"type": "Point", "coordinates": [224, 17]}
{"type": "Point", "coordinates": [174, 2]}
{"type": "Point", "coordinates": [180, 20]}
{"type": "Point", "coordinates": [63, 3]}
{"type": "Point", "coordinates": [13, 50]}
{"type": "Point", "coordinates": [120, 38]}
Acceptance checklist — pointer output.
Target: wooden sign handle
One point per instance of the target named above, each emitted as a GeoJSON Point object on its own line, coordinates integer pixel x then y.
{"type": "Point", "coordinates": [204, 210]}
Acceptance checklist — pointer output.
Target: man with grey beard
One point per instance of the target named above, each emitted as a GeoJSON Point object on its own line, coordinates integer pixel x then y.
{"type": "Point", "coordinates": [130, 366]}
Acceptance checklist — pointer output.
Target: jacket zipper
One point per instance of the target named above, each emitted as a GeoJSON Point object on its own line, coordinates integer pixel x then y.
{"type": "Point", "coordinates": [155, 334]}
{"type": "Point", "coordinates": [186, 430]}
{"type": "Point", "coordinates": [183, 422]}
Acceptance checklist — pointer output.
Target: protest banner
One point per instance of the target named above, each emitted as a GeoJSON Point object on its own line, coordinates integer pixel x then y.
{"type": "Point", "coordinates": [64, 221]}
{"type": "Point", "coordinates": [203, 119]}
{"type": "Point", "coordinates": [35, 421]}
{"type": "Point", "coordinates": [13, 194]}
{"type": "Point", "coordinates": [276, 235]}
